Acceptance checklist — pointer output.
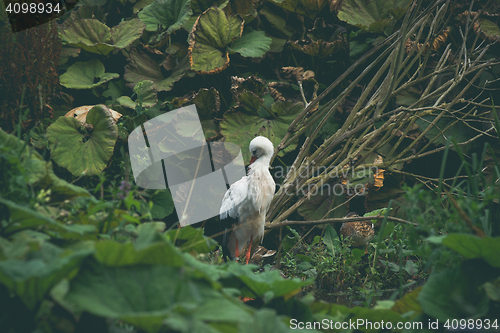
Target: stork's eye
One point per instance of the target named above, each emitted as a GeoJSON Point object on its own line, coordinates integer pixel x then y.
{"type": "Point", "coordinates": [254, 152]}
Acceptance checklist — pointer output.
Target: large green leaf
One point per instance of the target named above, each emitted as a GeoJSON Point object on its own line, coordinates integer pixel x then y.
{"type": "Point", "coordinates": [240, 128]}
{"type": "Point", "coordinates": [81, 149]}
{"type": "Point", "coordinates": [212, 33]}
{"type": "Point", "coordinates": [96, 37]}
{"type": "Point", "coordinates": [456, 292]}
{"type": "Point", "coordinates": [145, 296]}
{"type": "Point", "coordinates": [82, 75]}
{"type": "Point", "coordinates": [142, 68]}
{"type": "Point", "coordinates": [371, 15]}
{"type": "Point", "coordinates": [252, 44]}
{"type": "Point", "coordinates": [166, 14]}
{"type": "Point", "coordinates": [472, 247]}
{"type": "Point", "coordinates": [141, 294]}
{"type": "Point", "coordinates": [32, 279]}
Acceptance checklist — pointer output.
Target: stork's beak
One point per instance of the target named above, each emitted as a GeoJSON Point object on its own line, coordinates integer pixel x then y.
{"type": "Point", "coordinates": [253, 159]}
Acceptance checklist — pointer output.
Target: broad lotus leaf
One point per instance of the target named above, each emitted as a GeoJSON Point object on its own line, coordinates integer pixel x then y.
{"type": "Point", "coordinates": [82, 149]}
{"type": "Point", "coordinates": [166, 14]}
{"type": "Point", "coordinates": [309, 8]}
{"type": "Point", "coordinates": [252, 44]}
{"type": "Point", "coordinates": [96, 37]}
{"type": "Point", "coordinates": [142, 68]}
{"type": "Point", "coordinates": [81, 75]}
{"type": "Point", "coordinates": [145, 89]}
{"type": "Point", "coordinates": [213, 31]}
{"type": "Point", "coordinates": [240, 128]}
{"type": "Point", "coordinates": [370, 15]}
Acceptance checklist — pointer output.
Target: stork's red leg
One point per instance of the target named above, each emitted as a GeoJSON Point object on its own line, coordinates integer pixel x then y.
{"type": "Point", "coordinates": [237, 250]}
{"type": "Point", "coordinates": [247, 256]}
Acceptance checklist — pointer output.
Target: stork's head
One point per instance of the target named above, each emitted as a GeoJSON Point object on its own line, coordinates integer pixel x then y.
{"type": "Point", "coordinates": [261, 148]}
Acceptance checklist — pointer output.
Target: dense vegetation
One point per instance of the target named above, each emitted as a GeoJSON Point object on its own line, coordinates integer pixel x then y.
{"type": "Point", "coordinates": [385, 108]}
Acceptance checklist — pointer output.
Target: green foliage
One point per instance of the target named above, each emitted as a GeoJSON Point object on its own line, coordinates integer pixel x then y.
{"type": "Point", "coordinates": [165, 15]}
{"type": "Point", "coordinates": [142, 67]}
{"type": "Point", "coordinates": [252, 44]}
{"type": "Point", "coordinates": [212, 32]}
{"type": "Point", "coordinates": [88, 245]}
{"type": "Point", "coordinates": [80, 148]}
{"type": "Point", "coordinates": [240, 127]}
{"type": "Point", "coordinates": [82, 75]}
{"type": "Point", "coordinates": [96, 37]}
{"type": "Point", "coordinates": [146, 96]}
{"type": "Point", "coordinates": [373, 16]}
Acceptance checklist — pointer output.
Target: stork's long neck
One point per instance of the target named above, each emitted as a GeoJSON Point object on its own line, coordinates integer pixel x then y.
{"type": "Point", "coordinates": [260, 164]}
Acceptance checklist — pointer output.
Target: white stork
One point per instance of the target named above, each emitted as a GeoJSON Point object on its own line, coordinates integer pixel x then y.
{"type": "Point", "coordinates": [248, 199]}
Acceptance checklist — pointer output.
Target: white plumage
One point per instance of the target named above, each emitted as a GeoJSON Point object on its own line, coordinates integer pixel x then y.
{"type": "Point", "coordinates": [248, 199]}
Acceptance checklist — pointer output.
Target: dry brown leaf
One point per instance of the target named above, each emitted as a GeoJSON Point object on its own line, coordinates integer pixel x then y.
{"type": "Point", "coordinates": [295, 72]}
{"type": "Point", "coordinates": [379, 175]}
{"type": "Point", "coordinates": [308, 75]}
{"type": "Point", "coordinates": [80, 113]}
